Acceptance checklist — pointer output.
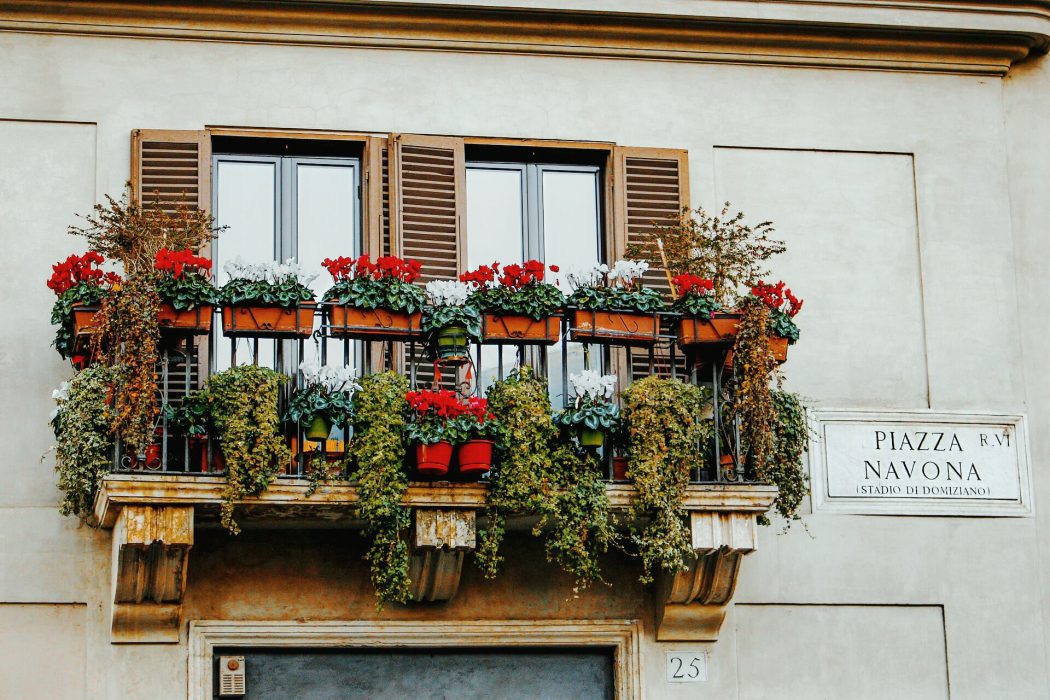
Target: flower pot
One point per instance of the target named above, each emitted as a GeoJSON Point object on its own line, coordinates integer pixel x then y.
{"type": "Point", "coordinates": [619, 465]}
{"type": "Point", "coordinates": [451, 342]}
{"type": "Point", "coordinates": [372, 324]}
{"type": "Point", "coordinates": [614, 327]}
{"type": "Point", "coordinates": [590, 437]}
{"type": "Point", "coordinates": [268, 321]}
{"type": "Point", "coordinates": [721, 328]}
{"type": "Point", "coordinates": [475, 458]}
{"type": "Point", "coordinates": [433, 460]}
{"type": "Point", "coordinates": [195, 321]}
{"type": "Point", "coordinates": [84, 319]}
{"type": "Point", "coordinates": [521, 329]}
{"type": "Point", "coordinates": [318, 429]}
{"type": "Point", "coordinates": [777, 345]}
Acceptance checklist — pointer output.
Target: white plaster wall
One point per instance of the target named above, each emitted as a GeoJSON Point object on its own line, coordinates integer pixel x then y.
{"type": "Point", "coordinates": [861, 169]}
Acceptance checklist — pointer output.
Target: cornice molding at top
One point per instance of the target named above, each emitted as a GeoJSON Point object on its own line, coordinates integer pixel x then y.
{"type": "Point", "coordinates": [964, 36]}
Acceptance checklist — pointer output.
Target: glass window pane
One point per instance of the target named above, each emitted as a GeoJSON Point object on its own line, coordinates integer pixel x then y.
{"type": "Point", "coordinates": [246, 201]}
{"type": "Point", "coordinates": [571, 239]}
{"type": "Point", "coordinates": [495, 232]}
{"type": "Point", "coordinates": [326, 215]}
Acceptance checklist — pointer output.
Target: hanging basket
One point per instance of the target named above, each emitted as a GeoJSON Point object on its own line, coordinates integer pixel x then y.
{"type": "Point", "coordinates": [521, 329]}
{"type": "Point", "coordinates": [195, 321]}
{"type": "Point", "coordinates": [614, 327]}
{"type": "Point", "coordinates": [372, 324]}
{"type": "Point", "coordinates": [451, 343]}
{"type": "Point", "coordinates": [267, 321]}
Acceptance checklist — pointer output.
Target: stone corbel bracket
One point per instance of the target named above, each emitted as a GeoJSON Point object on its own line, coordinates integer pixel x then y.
{"type": "Point", "coordinates": [441, 538]}
{"type": "Point", "coordinates": [691, 605]}
{"type": "Point", "coordinates": [151, 547]}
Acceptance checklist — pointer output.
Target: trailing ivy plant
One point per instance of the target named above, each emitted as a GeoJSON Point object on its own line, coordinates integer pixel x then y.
{"type": "Point", "coordinates": [538, 474]}
{"type": "Point", "coordinates": [752, 402]}
{"type": "Point", "coordinates": [378, 451]}
{"type": "Point", "coordinates": [663, 440]}
{"type": "Point", "coordinates": [83, 429]}
{"type": "Point", "coordinates": [244, 411]}
{"type": "Point", "coordinates": [784, 466]}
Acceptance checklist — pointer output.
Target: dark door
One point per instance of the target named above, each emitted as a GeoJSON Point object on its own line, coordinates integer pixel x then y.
{"type": "Point", "coordinates": [430, 674]}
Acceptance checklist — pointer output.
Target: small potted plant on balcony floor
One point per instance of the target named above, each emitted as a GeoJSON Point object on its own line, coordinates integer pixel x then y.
{"type": "Point", "coordinates": [593, 414]}
{"type": "Point", "coordinates": [267, 300]}
{"type": "Point", "coordinates": [517, 306]}
{"type": "Point", "coordinates": [433, 427]}
{"type": "Point", "coordinates": [613, 307]}
{"type": "Point", "coordinates": [326, 398]}
{"type": "Point", "coordinates": [186, 292]}
{"type": "Point", "coordinates": [480, 431]}
{"type": "Point", "coordinates": [450, 320]}
{"type": "Point", "coordinates": [191, 419]}
{"type": "Point", "coordinates": [374, 301]}
{"type": "Point", "coordinates": [80, 287]}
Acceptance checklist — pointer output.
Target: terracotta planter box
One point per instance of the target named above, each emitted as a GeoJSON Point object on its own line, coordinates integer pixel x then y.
{"type": "Point", "coordinates": [195, 321]}
{"type": "Point", "coordinates": [84, 319]}
{"type": "Point", "coordinates": [372, 324]}
{"type": "Point", "coordinates": [614, 327]}
{"type": "Point", "coordinates": [521, 329]}
{"type": "Point", "coordinates": [268, 321]}
{"type": "Point", "coordinates": [778, 346]}
{"type": "Point", "coordinates": [720, 328]}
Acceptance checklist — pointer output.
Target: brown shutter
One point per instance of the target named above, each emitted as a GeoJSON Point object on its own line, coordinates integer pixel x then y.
{"type": "Point", "coordinates": [171, 166]}
{"type": "Point", "coordinates": [427, 203]}
{"type": "Point", "coordinates": [649, 185]}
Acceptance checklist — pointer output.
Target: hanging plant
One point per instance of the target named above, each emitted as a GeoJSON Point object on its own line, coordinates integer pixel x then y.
{"type": "Point", "coordinates": [83, 429]}
{"type": "Point", "coordinates": [378, 451]}
{"type": "Point", "coordinates": [537, 475]}
{"type": "Point", "coordinates": [663, 439]}
{"type": "Point", "coordinates": [244, 411]}
{"type": "Point", "coordinates": [784, 467]}
{"type": "Point", "coordinates": [752, 401]}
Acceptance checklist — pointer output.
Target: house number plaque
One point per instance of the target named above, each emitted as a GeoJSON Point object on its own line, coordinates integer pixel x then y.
{"type": "Point", "coordinates": [920, 463]}
{"type": "Point", "coordinates": [686, 666]}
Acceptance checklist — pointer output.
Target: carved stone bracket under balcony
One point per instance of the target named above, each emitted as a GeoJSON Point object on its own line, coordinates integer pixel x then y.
{"type": "Point", "coordinates": [692, 605]}
{"type": "Point", "coordinates": [441, 538]}
{"type": "Point", "coordinates": [151, 547]}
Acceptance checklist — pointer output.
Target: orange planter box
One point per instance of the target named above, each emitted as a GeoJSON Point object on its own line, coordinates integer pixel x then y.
{"type": "Point", "coordinates": [521, 329]}
{"type": "Point", "coordinates": [195, 321]}
{"type": "Point", "coordinates": [84, 319]}
{"type": "Point", "coordinates": [720, 328]}
{"type": "Point", "coordinates": [778, 346]}
{"type": "Point", "coordinates": [268, 321]}
{"type": "Point", "coordinates": [614, 327]}
{"type": "Point", "coordinates": [373, 324]}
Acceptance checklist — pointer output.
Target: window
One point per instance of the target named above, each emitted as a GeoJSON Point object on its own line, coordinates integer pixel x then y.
{"type": "Point", "coordinates": [280, 207]}
{"type": "Point", "coordinates": [547, 211]}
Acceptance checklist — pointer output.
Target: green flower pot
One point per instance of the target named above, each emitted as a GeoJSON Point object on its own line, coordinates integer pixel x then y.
{"type": "Point", "coordinates": [590, 437]}
{"type": "Point", "coordinates": [318, 429]}
{"type": "Point", "coordinates": [451, 341]}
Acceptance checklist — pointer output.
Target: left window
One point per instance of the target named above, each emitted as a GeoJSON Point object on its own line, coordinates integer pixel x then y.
{"type": "Point", "coordinates": [306, 208]}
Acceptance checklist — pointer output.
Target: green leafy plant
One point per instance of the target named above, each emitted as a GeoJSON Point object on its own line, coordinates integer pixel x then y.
{"type": "Point", "coordinates": [191, 417]}
{"type": "Point", "coordinates": [593, 407]}
{"type": "Point", "coordinates": [784, 466]}
{"type": "Point", "coordinates": [663, 439]}
{"type": "Point", "coordinates": [537, 475]}
{"type": "Point", "coordinates": [327, 392]}
{"type": "Point", "coordinates": [278, 284]}
{"type": "Point", "coordinates": [384, 284]}
{"type": "Point", "coordinates": [600, 288]}
{"type": "Point", "coordinates": [244, 410]}
{"type": "Point", "coordinates": [184, 279]}
{"type": "Point", "coordinates": [378, 451]}
{"type": "Point", "coordinates": [83, 429]}
{"type": "Point", "coordinates": [516, 290]}
{"type": "Point", "coordinates": [477, 422]}
{"type": "Point", "coordinates": [449, 307]}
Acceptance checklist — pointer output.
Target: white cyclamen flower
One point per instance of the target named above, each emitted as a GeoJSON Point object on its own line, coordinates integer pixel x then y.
{"type": "Point", "coordinates": [587, 277]}
{"type": "Point", "coordinates": [60, 395]}
{"type": "Point", "coordinates": [332, 378]}
{"type": "Point", "coordinates": [448, 292]}
{"type": "Point", "coordinates": [628, 271]}
{"type": "Point", "coordinates": [593, 385]}
{"type": "Point", "coordinates": [270, 271]}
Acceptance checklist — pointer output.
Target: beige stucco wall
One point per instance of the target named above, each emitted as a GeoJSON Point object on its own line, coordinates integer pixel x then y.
{"type": "Point", "coordinates": [913, 205]}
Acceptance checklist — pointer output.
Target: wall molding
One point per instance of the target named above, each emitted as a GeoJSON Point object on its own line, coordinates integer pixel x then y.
{"type": "Point", "coordinates": [623, 636]}
{"type": "Point", "coordinates": [964, 37]}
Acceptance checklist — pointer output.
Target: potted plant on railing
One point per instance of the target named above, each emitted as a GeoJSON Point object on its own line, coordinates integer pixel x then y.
{"type": "Point", "coordinates": [374, 301]}
{"type": "Point", "coordinates": [612, 306]}
{"type": "Point", "coordinates": [434, 429]}
{"type": "Point", "coordinates": [326, 398]}
{"type": "Point", "coordinates": [517, 306]}
{"type": "Point", "coordinates": [80, 287]}
{"type": "Point", "coordinates": [186, 292]}
{"type": "Point", "coordinates": [267, 299]}
{"type": "Point", "coordinates": [703, 320]}
{"type": "Point", "coordinates": [480, 431]}
{"type": "Point", "coordinates": [783, 307]}
{"type": "Point", "coordinates": [450, 320]}
{"type": "Point", "coordinates": [593, 414]}
{"type": "Point", "coordinates": [191, 420]}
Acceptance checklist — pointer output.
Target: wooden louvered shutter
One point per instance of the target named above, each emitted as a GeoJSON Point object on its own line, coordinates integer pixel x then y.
{"type": "Point", "coordinates": [172, 167]}
{"type": "Point", "coordinates": [649, 185]}
{"type": "Point", "coordinates": [427, 202]}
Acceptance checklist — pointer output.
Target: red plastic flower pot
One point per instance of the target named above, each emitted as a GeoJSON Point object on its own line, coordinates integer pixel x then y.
{"type": "Point", "coordinates": [475, 458]}
{"type": "Point", "coordinates": [433, 460]}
